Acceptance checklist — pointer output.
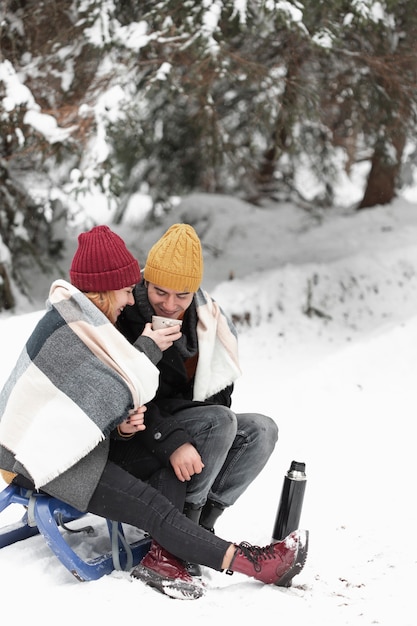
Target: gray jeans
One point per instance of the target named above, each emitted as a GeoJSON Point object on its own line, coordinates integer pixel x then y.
{"type": "Point", "coordinates": [234, 449]}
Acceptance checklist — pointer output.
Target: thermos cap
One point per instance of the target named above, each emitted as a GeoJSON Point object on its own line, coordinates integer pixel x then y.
{"type": "Point", "coordinates": [297, 467]}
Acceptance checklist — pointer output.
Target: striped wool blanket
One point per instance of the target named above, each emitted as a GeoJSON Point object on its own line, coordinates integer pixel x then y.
{"type": "Point", "coordinates": [218, 358]}
{"type": "Point", "coordinates": [74, 382]}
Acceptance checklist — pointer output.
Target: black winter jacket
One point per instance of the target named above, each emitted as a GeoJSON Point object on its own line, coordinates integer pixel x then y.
{"type": "Point", "coordinates": [175, 391]}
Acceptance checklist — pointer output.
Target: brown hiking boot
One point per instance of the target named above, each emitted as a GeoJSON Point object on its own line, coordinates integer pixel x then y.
{"type": "Point", "coordinates": [163, 571]}
{"type": "Point", "coordinates": [275, 564]}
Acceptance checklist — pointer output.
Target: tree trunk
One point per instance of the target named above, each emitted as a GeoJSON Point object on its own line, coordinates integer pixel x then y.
{"type": "Point", "coordinates": [6, 296]}
{"type": "Point", "coordinates": [282, 135]}
{"type": "Point", "coordinates": [382, 178]}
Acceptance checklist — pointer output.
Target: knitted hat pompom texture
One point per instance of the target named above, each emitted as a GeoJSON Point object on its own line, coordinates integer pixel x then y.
{"type": "Point", "coordinates": [175, 261]}
{"type": "Point", "coordinates": [102, 262]}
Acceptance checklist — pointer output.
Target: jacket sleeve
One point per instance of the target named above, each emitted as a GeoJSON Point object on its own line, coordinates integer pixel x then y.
{"type": "Point", "coordinates": [163, 434]}
{"type": "Point", "coordinates": [149, 348]}
{"type": "Point", "coordinates": [131, 325]}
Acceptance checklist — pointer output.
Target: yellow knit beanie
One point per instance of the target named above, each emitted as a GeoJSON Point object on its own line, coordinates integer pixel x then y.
{"type": "Point", "coordinates": [175, 261]}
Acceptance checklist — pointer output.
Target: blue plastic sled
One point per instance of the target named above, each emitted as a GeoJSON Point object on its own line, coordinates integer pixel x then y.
{"type": "Point", "coordinates": [48, 516]}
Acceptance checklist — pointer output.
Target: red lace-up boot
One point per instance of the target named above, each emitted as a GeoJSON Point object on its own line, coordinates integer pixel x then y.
{"type": "Point", "coordinates": [275, 564]}
{"type": "Point", "coordinates": [163, 571]}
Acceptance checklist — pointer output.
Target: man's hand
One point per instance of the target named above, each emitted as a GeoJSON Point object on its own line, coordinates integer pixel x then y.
{"type": "Point", "coordinates": [186, 462]}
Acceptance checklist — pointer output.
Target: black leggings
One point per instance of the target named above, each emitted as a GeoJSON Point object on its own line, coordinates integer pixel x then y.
{"type": "Point", "coordinates": [121, 497]}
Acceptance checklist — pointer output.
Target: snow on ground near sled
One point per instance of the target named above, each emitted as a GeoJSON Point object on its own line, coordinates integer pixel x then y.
{"type": "Point", "coordinates": [330, 351]}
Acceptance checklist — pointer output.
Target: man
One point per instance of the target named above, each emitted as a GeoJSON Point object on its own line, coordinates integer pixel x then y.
{"type": "Point", "coordinates": [198, 365]}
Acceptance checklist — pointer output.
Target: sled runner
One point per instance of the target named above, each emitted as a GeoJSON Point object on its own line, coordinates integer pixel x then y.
{"type": "Point", "coordinates": [49, 517]}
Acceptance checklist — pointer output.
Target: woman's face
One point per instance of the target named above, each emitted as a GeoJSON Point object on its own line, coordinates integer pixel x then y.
{"type": "Point", "coordinates": [167, 302]}
{"type": "Point", "coordinates": [121, 298]}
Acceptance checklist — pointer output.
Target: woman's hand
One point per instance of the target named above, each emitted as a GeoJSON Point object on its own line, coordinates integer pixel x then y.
{"type": "Point", "coordinates": [164, 337]}
{"type": "Point", "coordinates": [135, 422]}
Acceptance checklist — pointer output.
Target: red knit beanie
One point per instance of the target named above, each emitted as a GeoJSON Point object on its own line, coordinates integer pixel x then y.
{"type": "Point", "coordinates": [102, 262]}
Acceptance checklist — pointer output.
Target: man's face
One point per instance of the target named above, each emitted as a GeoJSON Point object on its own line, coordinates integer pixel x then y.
{"type": "Point", "coordinates": [167, 302]}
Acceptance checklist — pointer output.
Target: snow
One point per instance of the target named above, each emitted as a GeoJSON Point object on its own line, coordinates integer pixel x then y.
{"type": "Point", "coordinates": [328, 336]}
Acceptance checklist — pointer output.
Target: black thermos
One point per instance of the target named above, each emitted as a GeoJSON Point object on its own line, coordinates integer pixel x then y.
{"type": "Point", "coordinates": [291, 502]}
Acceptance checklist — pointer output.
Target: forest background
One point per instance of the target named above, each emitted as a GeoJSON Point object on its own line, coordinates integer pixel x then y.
{"type": "Point", "coordinates": [262, 100]}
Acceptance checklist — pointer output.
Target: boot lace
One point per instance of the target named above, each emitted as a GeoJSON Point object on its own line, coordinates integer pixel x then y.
{"type": "Point", "coordinates": [256, 554]}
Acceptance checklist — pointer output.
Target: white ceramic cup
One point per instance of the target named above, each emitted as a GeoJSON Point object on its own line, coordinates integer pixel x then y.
{"type": "Point", "coordinates": [163, 322]}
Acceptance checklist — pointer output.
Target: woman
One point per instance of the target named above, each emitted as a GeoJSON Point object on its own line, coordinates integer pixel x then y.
{"type": "Point", "coordinates": [78, 385]}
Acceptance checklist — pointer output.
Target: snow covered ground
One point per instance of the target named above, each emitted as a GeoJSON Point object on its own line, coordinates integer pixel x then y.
{"type": "Point", "coordinates": [327, 310]}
